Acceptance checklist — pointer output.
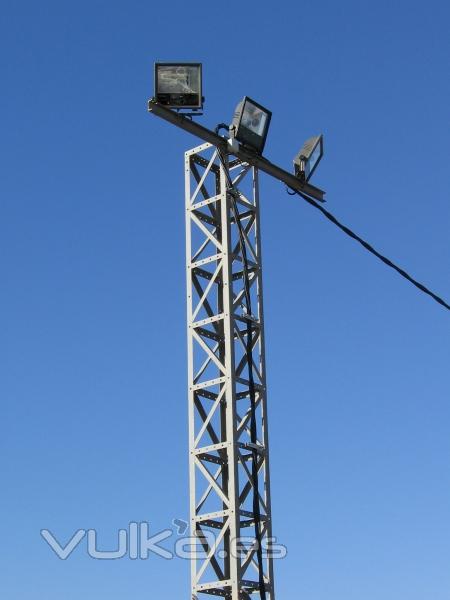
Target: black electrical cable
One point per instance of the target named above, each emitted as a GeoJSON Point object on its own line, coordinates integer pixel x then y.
{"type": "Point", "coordinates": [371, 249]}
{"type": "Point", "coordinates": [251, 381]}
{"type": "Point", "coordinates": [219, 127]}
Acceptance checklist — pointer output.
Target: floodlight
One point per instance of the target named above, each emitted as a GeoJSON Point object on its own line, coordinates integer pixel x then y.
{"type": "Point", "coordinates": [308, 158]}
{"type": "Point", "coordinates": [179, 85]}
{"type": "Point", "coordinates": [251, 124]}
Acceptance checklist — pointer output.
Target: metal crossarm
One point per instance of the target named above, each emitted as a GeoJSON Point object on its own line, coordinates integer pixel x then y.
{"type": "Point", "coordinates": [243, 154]}
{"type": "Point", "coordinates": [229, 458]}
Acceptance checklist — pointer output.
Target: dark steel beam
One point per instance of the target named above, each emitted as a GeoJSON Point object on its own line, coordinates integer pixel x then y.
{"type": "Point", "coordinates": [253, 159]}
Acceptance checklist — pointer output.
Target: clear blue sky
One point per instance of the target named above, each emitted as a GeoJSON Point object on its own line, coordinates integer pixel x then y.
{"type": "Point", "coordinates": [93, 352]}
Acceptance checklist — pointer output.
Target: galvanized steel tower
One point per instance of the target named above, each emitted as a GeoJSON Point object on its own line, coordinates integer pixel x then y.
{"type": "Point", "coordinates": [229, 451]}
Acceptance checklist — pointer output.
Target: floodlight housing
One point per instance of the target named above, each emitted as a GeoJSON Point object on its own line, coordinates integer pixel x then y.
{"type": "Point", "coordinates": [179, 85]}
{"type": "Point", "coordinates": [308, 158]}
{"type": "Point", "coordinates": [250, 124]}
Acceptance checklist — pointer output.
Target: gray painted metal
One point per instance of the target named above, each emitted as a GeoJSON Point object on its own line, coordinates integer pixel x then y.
{"type": "Point", "coordinates": [221, 480]}
{"type": "Point", "coordinates": [252, 159]}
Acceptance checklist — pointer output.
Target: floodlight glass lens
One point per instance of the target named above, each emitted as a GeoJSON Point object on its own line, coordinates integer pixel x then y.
{"type": "Point", "coordinates": [254, 119]}
{"type": "Point", "coordinates": [312, 161]}
{"type": "Point", "coordinates": [178, 79]}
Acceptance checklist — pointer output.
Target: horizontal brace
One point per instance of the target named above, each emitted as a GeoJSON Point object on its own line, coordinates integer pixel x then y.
{"type": "Point", "coordinates": [253, 585]}
{"type": "Point", "coordinates": [206, 394]}
{"type": "Point", "coordinates": [246, 382]}
{"type": "Point", "coordinates": [212, 448]}
{"type": "Point", "coordinates": [251, 517]}
{"type": "Point", "coordinates": [249, 523]}
{"type": "Point", "coordinates": [212, 335]}
{"type": "Point", "coordinates": [209, 383]}
{"type": "Point", "coordinates": [215, 587]}
{"type": "Point", "coordinates": [212, 459]}
{"type": "Point", "coordinates": [243, 333]}
{"type": "Point", "coordinates": [205, 274]}
{"type": "Point", "coordinates": [197, 149]}
{"type": "Point", "coordinates": [203, 203]}
{"type": "Point", "coordinates": [207, 260]}
{"type": "Point", "coordinates": [199, 160]}
{"type": "Point", "coordinates": [250, 446]}
{"type": "Point", "coordinates": [241, 274]}
{"type": "Point", "coordinates": [220, 514]}
{"type": "Point", "coordinates": [245, 318]}
{"type": "Point", "coordinates": [213, 524]}
{"type": "Point", "coordinates": [246, 393]}
{"type": "Point", "coordinates": [208, 321]}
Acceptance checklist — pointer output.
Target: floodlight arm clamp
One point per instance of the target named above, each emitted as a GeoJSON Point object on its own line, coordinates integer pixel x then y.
{"type": "Point", "coordinates": [302, 172]}
{"type": "Point", "coordinates": [243, 154]}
